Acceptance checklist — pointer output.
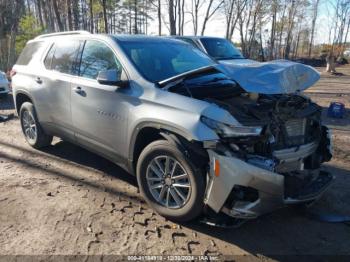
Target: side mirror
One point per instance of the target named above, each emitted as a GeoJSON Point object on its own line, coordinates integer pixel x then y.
{"type": "Point", "coordinates": [112, 77]}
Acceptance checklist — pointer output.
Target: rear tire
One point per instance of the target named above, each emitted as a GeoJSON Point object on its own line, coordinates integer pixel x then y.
{"type": "Point", "coordinates": [31, 128]}
{"type": "Point", "coordinates": [176, 193]}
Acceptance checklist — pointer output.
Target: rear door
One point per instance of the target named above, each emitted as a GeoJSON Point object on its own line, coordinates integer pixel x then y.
{"type": "Point", "coordinates": [99, 112]}
{"type": "Point", "coordinates": [60, 64]}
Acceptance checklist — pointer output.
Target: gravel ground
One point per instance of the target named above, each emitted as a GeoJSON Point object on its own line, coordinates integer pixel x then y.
{"type": "Point", "coordinates": [66, 200]}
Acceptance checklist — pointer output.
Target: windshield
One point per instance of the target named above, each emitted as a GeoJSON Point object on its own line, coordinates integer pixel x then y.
{"type": "Point", "coordinates": [221, 49]}
{"type": "Point", "coordinates": [159, 60]}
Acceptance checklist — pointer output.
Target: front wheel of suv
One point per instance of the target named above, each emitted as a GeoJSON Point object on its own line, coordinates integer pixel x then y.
{"type": "Point", "coordinates": [169, 181]}
{"type": "Point", "coordinates": [31, 128]}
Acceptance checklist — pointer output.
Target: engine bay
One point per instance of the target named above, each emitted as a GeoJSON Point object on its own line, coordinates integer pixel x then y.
{"type": "Point", "coordinates": [292, 138]}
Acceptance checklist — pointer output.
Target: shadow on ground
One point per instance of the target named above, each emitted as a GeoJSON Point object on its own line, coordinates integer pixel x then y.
{"type": "Point", "coordinates": [283, 232]}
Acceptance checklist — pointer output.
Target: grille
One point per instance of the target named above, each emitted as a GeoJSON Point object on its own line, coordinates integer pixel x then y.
{"type": "Point", "coordinates": [295, 129]}
{"type": "Point", "coordinates": [2, 89]}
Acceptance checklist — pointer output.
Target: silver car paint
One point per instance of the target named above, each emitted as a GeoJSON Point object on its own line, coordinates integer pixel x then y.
{"type": "Point", "coordinates": [107, 118]}
{"type": "Point", "coordinates": [234, 171]}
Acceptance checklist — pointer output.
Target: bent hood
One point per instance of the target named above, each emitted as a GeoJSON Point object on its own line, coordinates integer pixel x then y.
{"type": "Point", "coordinates": [274, 77]}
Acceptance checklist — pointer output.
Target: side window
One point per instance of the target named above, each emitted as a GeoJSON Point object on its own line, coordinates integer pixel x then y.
{"type": "Point", "coordinates": [48, 58]}
{"type": "Point", "coordinates": [29, 52]}
{"type": "Point", "coordinates": [64, 56]}
{"type": "Point", "coordinates": [97, 57]}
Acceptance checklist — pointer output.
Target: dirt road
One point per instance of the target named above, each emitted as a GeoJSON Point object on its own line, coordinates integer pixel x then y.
{"type": "Point", "coordinates": [65, 200]}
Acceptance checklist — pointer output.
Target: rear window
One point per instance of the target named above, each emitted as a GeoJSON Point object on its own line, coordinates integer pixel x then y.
{"type": "Point", "coordinates": [62, 56]}
{"type": "Point", "coordinates": [48, 58]}
{"type": "Point", "coordinates": [29, 52]}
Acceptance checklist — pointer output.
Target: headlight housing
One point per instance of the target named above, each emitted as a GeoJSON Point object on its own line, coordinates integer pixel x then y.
{"type": "Point", "coordinates": [225, 130]}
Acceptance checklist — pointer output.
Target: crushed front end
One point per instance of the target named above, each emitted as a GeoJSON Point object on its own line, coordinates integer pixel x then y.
{"type": "Point", "coordinates": [272, 160]}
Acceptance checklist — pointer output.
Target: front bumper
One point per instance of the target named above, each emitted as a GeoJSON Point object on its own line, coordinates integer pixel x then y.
{"type": "Point", "coordinates": [273, 189]}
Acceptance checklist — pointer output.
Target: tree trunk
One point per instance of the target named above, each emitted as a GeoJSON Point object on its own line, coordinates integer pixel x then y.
{"type": "Point", "coordinates": [105, 16]}
{"type": "Point", "coordinates": [273, 31]}
{"type": "Point", "coordinates": [159, 12]}
{"type": "Point", "coordinates": [76, 14]}
{"type": "Point", "coordinates": [135, 17]}
{"type": "Point", "coordinates": [40, 13]}
{"type": "Point", "coordinates": [57, 14]}
{"type": "Point", "coordinates": [207, 16]}
{"type": "Point", "coordinates": [91, 17]}
{"type": "Point", "coordinates": [51, 25]}
{"type": "Point", "coordinates": [28, 4]}
{"type": "Point", "coordinates": [172, 21]}
{"type": "Point", "coordinates": [69, 14]}
{"type": "Point", "coordinates": [314, 17]}
{"type": "Point", "coordinates": [229, 14]}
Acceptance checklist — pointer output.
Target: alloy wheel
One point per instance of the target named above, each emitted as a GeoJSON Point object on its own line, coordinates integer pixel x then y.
{"type": "Point", "coordinates": [29, 125]}
{"type": "Point", "coordinates": [168, 182]}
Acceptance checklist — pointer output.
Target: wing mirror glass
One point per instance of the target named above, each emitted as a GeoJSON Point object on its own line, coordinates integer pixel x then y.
{"type": "Point", "coordinates": [113, 77]}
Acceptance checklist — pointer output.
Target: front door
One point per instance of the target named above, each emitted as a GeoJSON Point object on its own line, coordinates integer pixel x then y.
{"type": "Point", "coordinates": [99, 112]}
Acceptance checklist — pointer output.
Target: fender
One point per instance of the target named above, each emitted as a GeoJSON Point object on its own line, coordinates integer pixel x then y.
{"type": "Point", "coordinates": [23, 92]}
{"type": "Point", "coordinates": [156, 125]}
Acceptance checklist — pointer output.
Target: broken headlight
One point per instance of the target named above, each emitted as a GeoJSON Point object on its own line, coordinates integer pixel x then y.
{"type": "Point", "coordinates": [225, 130]}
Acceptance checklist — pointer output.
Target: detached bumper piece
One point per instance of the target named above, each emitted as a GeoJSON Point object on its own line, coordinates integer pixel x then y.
{"type": "Point", "coordinates": [307, 191]}
{"type": "Point", "coordinates": [245, 190]}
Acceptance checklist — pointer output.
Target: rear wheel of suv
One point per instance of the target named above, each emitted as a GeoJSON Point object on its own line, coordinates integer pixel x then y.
{"type": "Point", "coordinates": [169, 181]}
{"type": "Point", "coordinates": [31, 128]}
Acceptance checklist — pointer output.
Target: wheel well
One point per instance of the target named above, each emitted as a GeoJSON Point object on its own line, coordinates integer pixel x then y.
{"type": "Point", "coordinates": [20, 99]}
{"type": "Point", "coordinates": [146, 136]}
{"type": "Point", "coordinates": [149, 134]}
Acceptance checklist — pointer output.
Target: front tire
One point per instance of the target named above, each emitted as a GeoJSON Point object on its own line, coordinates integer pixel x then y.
{"type": "Point", "coordinates": [170, 182]}
{"type": "Point", "coordinates": [33, 132]}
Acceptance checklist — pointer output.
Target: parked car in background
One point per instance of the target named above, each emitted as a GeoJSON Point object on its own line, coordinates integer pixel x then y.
{"type": "Point", "coordinates": [220, 49]}
{"type": "Point", "coordinates": [4, 85]}
{"type": "Point", "coordinates": [161, 109]}
{"type": "Point", "coordinates": [273, 77]}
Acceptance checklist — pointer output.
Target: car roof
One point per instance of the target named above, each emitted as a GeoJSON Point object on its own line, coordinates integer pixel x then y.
{"type": "Point", "coordinates": [141, 38]}
{"type": "Point", "coordinates": [87, 35]}
{"type": "Point", "coordinates": [195, 37]}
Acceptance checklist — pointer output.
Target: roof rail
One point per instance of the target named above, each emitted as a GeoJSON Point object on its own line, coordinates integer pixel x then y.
{"type": "Point", "coordinates": [81, 32]}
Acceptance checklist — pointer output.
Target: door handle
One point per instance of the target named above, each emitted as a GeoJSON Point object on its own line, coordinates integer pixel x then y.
{"type": "Point", "coordinates": [38, 80]}
{"type": "Point", "coordinates": [78, 90]}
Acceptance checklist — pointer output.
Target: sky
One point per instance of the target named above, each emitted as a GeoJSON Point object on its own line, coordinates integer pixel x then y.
{"type": "Point", "coordinates": [216, 26]}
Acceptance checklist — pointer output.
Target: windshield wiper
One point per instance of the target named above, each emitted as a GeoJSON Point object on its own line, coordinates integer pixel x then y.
{"type": "Point", "coordinates": [186, 74]}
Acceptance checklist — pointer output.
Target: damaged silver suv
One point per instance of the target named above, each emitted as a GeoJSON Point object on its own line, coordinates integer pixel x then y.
{"type": "Point", "coordinates": [197, 141]}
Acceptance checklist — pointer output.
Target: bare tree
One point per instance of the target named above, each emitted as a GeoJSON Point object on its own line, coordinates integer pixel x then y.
{"type": "Point", "coordinates": [172, 20]}
{"type": "Point", "coordinates": [274, 9]}
{"type": "Point", "coordinates": [315, 5]}
{"type": "Point", "coordinates": [69, 14]}
{"type": "Point", "coordinates": [91, 17]}
{"type": "Point", "coordinates": [194, 13]}
{"type": "Point", "coordinates": [76, 14]}
{"type": "Point", "coordinates": [39, 13]}
{"type": "Point", "coordinates": [233, 11]}
{"type": "Point", "coordinates": [159, 14]}
{"type": "Point", "coordinates": [57, 14]}
{"type": "Point", "coordinates": [209, 13]}
{"type": "Point", "coordinates": [104, 8]}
